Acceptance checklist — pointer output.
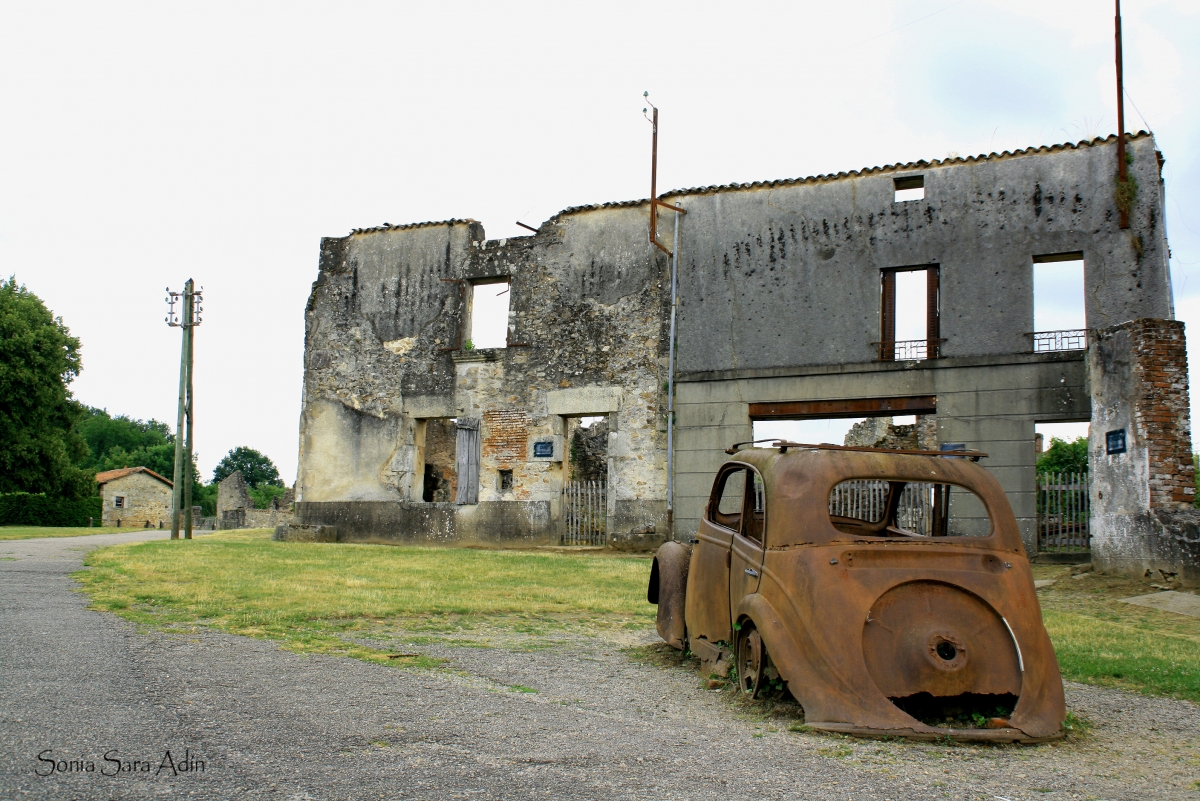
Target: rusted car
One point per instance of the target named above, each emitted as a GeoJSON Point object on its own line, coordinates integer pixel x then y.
{"type": "Point", "coordinates": [888, 591]}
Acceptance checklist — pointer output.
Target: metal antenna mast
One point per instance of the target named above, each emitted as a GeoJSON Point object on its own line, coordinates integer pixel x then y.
{"type": "Point", "coordinates": [181, 495]}
{"type": "Point", "coordinates": [674, 254]}
{"type": "Point", "coordinates": [1122, 176]}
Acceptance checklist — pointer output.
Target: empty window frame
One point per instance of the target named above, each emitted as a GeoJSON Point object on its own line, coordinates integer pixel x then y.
{"type": "Point", "coordinates": [119, 502]}
{"type": "Point", "coordinates": [1059, 318]}
{"type": "Point", "coordinates": [873, 508]}
{"type": "Point", "coordinates": [909, 187]}
{"type": "Point", "coordinates": [910, 314]}
{"type": "Point", "coordinates": [489, 314]}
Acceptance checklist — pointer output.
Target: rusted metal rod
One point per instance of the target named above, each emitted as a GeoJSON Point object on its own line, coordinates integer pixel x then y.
{"type": "Point", "coordinates": [1121, 168]}
{"type": "Point", "coordinates": [526, 227]}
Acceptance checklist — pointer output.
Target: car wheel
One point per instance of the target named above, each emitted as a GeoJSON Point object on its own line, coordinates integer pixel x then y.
{"type": "Point", "coordinates": [751, 660]}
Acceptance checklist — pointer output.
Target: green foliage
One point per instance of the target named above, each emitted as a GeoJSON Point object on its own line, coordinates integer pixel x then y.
{"type": "Point", "coordinates": [1125, 193]}
{"type": "Point", "coordinates": [1064, 457]}
{"type": "Point", "coordinates": [206, 498]}
{"type": "Point", "coordinates": [263, 494]}
{"type": "Point", "coordinates": [105, 434]}
{"type": "Point", "coordinates": [255, 468]}
{"type": "Point", "coordinates": [468, 345]}
{"type": "Point", "coordinates": [39, 443]}
{"type": "Point", "coordinates": [26, 509]}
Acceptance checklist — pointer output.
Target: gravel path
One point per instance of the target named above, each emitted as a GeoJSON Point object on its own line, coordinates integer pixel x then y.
{"type": "Point", "coordinates": [271, 724]}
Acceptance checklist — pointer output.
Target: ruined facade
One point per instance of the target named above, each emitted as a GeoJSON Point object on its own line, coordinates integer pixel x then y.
{"type": "Point", "coordinates": [784, 313]}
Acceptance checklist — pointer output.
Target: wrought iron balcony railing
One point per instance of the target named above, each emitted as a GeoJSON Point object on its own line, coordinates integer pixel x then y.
{"type": "Point", "coordinates": [909, 350]}
{"type": "Point", "coordinates": [1050, 341]}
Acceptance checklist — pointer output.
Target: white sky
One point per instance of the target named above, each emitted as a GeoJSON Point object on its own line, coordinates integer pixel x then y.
{"type": "Point", "coordinates": [147, 143]}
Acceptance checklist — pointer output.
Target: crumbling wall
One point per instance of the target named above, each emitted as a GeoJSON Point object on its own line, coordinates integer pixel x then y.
{"type": "Point", "coordinates": [1140, 454]}
{"type": "Point", "coordinates": [587, 335]}
{"type": "Point", "coordinates": [588, 451]}
{"type": "Point", "coordinates": [882, 432]}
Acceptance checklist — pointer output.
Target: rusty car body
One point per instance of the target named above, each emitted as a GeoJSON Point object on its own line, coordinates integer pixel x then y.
{"type": "Point", "coordinates": [889, 590]}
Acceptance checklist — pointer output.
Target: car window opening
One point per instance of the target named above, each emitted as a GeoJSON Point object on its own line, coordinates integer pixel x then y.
{"type": "Point", "coordinates": [907, 509]}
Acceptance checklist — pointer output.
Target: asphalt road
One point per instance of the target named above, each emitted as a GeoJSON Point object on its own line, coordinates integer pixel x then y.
{"type": "Point", "coordinates": [251, 721]}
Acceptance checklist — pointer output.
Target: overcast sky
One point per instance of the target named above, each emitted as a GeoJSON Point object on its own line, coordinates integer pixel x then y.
{"type": "Point", "coordinates": [147, 143]}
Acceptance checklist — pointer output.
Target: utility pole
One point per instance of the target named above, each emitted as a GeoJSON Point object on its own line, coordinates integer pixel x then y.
{"type": "Point", "coordinates": [181, 495]}
{"type": "Point", "coordinates": [1122, 172]}
{"type": "Point", "coordinates": [674, 254]}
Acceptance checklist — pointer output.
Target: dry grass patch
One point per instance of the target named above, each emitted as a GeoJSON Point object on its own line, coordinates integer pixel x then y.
{"type": "Point", "coordinates": [36, 532]}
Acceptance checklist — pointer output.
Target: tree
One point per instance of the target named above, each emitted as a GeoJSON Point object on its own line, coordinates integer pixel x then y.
{"type": "Point", "coordinates": [256, 468]}
{"type": "Point", "coordinates": [105, 435]}
{"type": "Point", "coordinates": [1064, 457]}
{"type": "Point", "coordinates": [39, 441]}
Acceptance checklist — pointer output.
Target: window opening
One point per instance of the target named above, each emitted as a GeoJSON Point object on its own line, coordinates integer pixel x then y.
{"type": "Point", "coordinates": [1059, 316]}
{"type": "Point", "coordinates": [437, 446]}
{"type": "Point", "coordinates": [869, 507]}
{"type": "Point", "coordinates": [506, 480]}
{"type": "Point", "coordinates": [909, 187]}
{"type": "Point", "coordinates": [730, 499]}
{"type": "Point", "coordinates": [119, 502]}
{"type": "Point", "coordinates": [910, 314]}
{"type": "Point", "coordinates": [489, 314]}
{"type": "Point", "coordinates": [901, 432]}
{"type": "Point", "coordinates": [587, 448]}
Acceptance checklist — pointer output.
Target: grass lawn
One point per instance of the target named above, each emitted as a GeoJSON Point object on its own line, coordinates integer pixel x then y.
{"type": "Point", "coordinates": [1100, 640]}
{"type": "Point", "coordinates": [312, 597]}
{"type": "Point", "coordinates": [33, 532]}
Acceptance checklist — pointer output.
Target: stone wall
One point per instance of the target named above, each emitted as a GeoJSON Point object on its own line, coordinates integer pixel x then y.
{"type": "Point", "coordinates": [147, 502]}
{"type": "Point", "coordinates": [235, 507]}
{"type": "Point", "coordinates": [779, 301]}
{"type": "Point", "coordinates": [1143, 520]}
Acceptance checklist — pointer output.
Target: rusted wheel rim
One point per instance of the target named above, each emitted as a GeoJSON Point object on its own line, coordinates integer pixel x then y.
{"type": "Point", "coordinates": [751, 660]}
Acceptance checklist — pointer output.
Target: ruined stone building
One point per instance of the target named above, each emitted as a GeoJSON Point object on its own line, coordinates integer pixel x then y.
{"type": "Point", "coordinates": [787, 310]}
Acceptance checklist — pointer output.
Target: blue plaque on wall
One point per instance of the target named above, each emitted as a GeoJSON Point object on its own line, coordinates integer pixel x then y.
{"type": "Point", "coordinates": [1115, 441]}
{"type": "Point", "coordinates": [543, 450]}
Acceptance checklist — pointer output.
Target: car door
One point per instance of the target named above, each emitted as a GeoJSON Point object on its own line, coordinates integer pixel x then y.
{"type": "Point", "coordinates": [707, 598]}
{"type": "Point", "coordinates": [746, 548]}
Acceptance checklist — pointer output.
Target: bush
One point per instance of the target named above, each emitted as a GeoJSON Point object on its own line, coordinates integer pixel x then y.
{"type": "Point", "coordinates": [28, 509]}
{"type": "Point", "coordinates": [1064, 457]}
{"type": "Point", "coordinates": [263, 494]}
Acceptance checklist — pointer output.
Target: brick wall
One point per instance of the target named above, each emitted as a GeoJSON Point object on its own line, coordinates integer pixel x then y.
{"type": "Point", "coordinates": [1161, 412]}
{"type": "Point", "coordinates": [505, 436]}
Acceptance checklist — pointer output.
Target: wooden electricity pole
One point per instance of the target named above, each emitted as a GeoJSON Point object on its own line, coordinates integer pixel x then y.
{"type": "Point", "coordinates": [181, 495]}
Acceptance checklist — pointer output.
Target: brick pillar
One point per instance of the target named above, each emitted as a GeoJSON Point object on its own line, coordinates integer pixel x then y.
{"type": "Point", "coordinates": [1140, 452]}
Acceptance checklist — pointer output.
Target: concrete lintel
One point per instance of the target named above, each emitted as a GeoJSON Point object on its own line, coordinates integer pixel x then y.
{"type": "Point", "coordinates": [888, 367]}
{"type": "Point", "coordinates": [584, 400]}
{"type": "Point", "coordinates": [424, 406]}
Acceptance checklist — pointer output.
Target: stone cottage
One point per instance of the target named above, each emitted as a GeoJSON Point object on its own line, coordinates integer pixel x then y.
{"type": "Point", "coordinates": [134, 496]}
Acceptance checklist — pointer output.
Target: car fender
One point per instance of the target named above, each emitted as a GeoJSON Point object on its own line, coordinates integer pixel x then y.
{"type": "Point", "coordinates": [668, 589]}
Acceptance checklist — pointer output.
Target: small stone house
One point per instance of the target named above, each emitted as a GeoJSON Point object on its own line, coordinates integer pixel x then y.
{"type": "Point", "coordinates": [134, 496]}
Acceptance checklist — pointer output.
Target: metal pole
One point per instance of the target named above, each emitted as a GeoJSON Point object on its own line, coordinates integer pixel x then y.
{"type": "Point", "coordinates": [671, 373]}
{"type": "Point", "coordinates": [189, 333]}
{"type": "Point", "coordinates": [177, 489]}
{"type": "Point", "coordinates": [1121, 171]}
{"type": "Point", "coordinates": [654, 178]}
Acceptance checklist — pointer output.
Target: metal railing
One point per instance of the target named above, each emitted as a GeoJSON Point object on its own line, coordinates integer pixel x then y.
{"type": "Point", "coordinates": [1063, 512]}
{"type": "Point", "coordinates": [909, 350]}
{"type": "Point", "coordinates": [1050, 341]}
{"type": "Point", "coordinates": [584, 512]}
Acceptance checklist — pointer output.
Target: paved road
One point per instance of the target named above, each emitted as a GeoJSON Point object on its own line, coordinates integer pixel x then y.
{"type": "Point", "coordinates": [79, 685]}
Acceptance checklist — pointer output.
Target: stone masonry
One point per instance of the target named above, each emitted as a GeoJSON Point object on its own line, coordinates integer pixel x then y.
{"type": "Point", "coordinates": [782, 304]}
{"type": "Point", "coordinates": [134, 496]}
{"type": "Point", "coordinates": [1140, 452]}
